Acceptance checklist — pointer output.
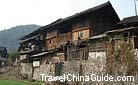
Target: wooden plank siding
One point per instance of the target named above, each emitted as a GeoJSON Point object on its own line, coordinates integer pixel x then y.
{"type": "Point", "coordinates": [80, 29]}
{"type": "Point", "coordinates": [51, 43]}
{"type": "Point", "coordinates": [51, 39]}
{"type": "Point", "coordinates": [85, 34]}
{"type": "Point", "coordinates": [63, 38]}
{"type": "Point", "coordinates": [57, 37]}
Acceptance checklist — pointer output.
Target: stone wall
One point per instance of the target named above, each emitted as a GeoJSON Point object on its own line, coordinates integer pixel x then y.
{"type": "Point", "coordinates": [71, 67]}
{"type": "Point", "coordinates": [26, 70]}
{"type": "Point", "coordinates": [97, 63]}
{"type": "Point", "coordinates": [94, 65]}
{"type": "Point", "coordinates": [48, 69]}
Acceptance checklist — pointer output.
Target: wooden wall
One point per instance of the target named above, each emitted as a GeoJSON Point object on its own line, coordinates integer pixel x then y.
{"type": "Point", "coordinates": [51, 43]}
{"type": "Point", "coordinates": [88, 26]}
{"type": "Point", "coordinates": [54, 39]}
{"type": "Point", "coordinates": [63, 38]}
{"type": "Point", "coordinates": [85, 34]}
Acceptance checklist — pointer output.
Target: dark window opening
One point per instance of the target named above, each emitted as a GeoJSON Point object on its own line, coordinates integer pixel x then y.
{"type": "Point", "coordinates": [135, 34]}
{"type": "Point", "coordinates": [136, 40]}
{"type": "Point", "coordinates": [50, 41]}
{"type": "Point", "coordinates": [126, 35]}
{"type": "Point", "coordinates": [47, 62]}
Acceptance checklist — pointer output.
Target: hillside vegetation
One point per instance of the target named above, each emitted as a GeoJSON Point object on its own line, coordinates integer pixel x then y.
{"type": "Point", "coordinates": [10, 37]}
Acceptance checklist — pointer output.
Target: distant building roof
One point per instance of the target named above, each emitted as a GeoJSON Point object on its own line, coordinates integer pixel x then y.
{"type": "Point", "coordinates": [3, 49]}
{"type": "Point", "coordinates": [120, 30]}
{"type": "Point", "coordinates": [132, 19]}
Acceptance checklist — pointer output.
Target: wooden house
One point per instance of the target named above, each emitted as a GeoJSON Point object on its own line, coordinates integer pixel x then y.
{"type": "Point", "coordinates": [82, 25]}
{"type": "Point", "coordinates": [50, 43]}
{"type": "Point", "coordinates": [127, 32]}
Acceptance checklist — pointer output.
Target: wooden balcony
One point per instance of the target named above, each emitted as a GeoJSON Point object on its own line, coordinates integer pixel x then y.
{"type": "Point", "coordinates": [30, 50]}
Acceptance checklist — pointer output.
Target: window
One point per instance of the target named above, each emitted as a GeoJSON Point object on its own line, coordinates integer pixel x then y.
{"type": "Point", "coordinates": [135, 40]}
{"type": "Point", "coordinates": [135, 34]}
{"type": "Point", "coordinates": [50, 41]}
{"type": "Point", "coordinates": [126, 35]}
{"type": "Point", "coordinates": [80, 34]}
{"type": "Point", "coordinates": [46, 62]}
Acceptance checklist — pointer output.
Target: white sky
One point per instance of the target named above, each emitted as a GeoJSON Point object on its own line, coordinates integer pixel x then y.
{"type": "Point", "coordinates": [43, 12]}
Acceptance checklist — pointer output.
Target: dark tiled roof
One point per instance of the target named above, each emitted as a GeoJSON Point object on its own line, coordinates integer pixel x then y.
{"type": "Point", "coordinates": [132, 19]}
{"type": "Point", "coordinates": [88, 11]}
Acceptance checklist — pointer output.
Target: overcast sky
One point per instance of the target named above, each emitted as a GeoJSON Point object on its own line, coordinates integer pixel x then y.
{"type": "Point", "coordinates": [42, 12]}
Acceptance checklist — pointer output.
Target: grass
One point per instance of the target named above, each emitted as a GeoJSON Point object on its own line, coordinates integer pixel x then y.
{"type": "Point", "coordinates": [21, 82]}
